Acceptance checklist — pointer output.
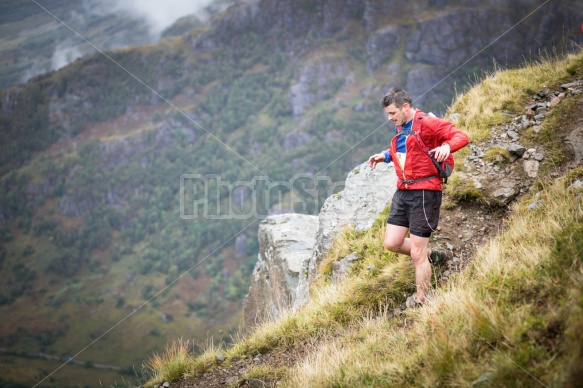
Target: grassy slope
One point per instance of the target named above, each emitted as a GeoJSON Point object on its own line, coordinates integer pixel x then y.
{"type": "Point", "coordinates": [512, 318]}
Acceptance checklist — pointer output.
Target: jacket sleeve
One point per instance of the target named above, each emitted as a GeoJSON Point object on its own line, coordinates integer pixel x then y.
{"type": "Point", "coordinates": [448, 134]}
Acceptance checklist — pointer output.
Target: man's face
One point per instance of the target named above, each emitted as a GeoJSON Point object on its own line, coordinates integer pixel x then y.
{"type": "Point", "coordinates": [398, 115]}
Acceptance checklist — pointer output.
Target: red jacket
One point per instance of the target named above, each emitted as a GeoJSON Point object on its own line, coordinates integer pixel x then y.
{"type": "Point", "coordinates": [434, 132]}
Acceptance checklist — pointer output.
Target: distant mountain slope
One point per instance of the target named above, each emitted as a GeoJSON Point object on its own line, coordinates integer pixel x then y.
{"type": "Point", "coordinates": [33, 42]}
{"type": "Point", "coordinates": [91, 159]}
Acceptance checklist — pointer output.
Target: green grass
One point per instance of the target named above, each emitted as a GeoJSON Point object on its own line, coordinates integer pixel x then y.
{"type": "Point", "coordinates": [552, 130]}
{"type": "Point", "coordinates": [497, 155]}
{"type": "Point", "coordinates": [460, 190]}
{"type": "Point", "coordinates": [266, 372]}
{"type": "Point", "coordinates": [502, 94]}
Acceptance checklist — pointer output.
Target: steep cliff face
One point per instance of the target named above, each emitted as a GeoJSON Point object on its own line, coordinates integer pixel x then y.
{"type": "Point", "coordinates": [292, 245]}
{"type": "Point", "coordinates": [427, 38]}
{"type": "Point", "coordinates": [367, 192]}
{"type": "Point", "coordinates": [285, 242]}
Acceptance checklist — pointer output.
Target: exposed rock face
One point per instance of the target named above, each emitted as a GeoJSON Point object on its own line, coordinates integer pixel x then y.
{"type": "Point", "coordinates": [120, 152]}
{"type": "Point", "coordinates": [340, 268]}
{"type": "Point", "coordinates": [285, 242]}
{"type": "Point", "coordinates": [420, 78]}
{"type": "Point", "coordinates": [292, 245]}
{"type": "Point", "coordinates": [436, 34]}
{"type": "Point", "coordinates": [501, 180]}
{"type": "Point", "coordinates": [314, 83]}
{"type": "Point", "coordinates": [450, 39]}
{"type": "Point", "coordinates": [367, 192]}
{"type": "Point", "coordinates": [379, 46]}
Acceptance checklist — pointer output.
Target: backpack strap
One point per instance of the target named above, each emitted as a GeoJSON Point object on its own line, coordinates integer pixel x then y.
{"type": "Point", "coordinates": [441, 171]}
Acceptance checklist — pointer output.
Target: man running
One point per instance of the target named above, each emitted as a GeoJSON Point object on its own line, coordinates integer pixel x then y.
{"type": "Point", "coordinates": [416, 203]}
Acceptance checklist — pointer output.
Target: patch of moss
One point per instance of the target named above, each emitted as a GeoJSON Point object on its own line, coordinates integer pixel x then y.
{"type": "Point", "coordinates": [497, 155]}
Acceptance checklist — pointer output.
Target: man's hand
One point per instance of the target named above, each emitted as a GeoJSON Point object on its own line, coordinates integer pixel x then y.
{"type": "Point", "coordinates": [441, 153]}
{"type": "Point", "coordinates": [375, 159]}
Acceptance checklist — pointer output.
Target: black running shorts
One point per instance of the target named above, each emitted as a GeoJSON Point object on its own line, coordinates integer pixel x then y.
{"type": "Point", "coordinates": [417, 210]}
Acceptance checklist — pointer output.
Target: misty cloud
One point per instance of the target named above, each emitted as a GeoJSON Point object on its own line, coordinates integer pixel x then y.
{"type": "Point", "coordinates": [64, 55]}
{"type": "Point", "coordinates": [161, 14]}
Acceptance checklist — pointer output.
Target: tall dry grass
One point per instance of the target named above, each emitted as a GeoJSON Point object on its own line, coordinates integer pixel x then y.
{"type": "Point", "coordinates": [492, 322]}
{"type": "Point", "coordinates": [501, 94]}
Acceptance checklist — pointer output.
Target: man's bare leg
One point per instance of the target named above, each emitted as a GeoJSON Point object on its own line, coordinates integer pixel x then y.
{"type": "Point", "coordinates": [417, 248]}
{"type": "Point", "coordinates": [419, 254]}
{"type": "Point", "coordinates": [395, 240]}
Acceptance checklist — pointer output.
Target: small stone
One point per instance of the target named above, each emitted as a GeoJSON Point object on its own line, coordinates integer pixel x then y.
{"type": "Point", "coordinates": [554, 102]}
{"type": "Point", "coordinates": [512, 134]}
{"type": "Point", "coordinates": [543, 92]}
{"type": "Point", "coordinates": [535, 205]}
{"type": "Point", "coordinates": [166, 384]}
{"type": "Point", "coordinates": [576, 91]}
{"type": "Point", "coordinates": [257, 359]}
{"type": "Point", "coordinates": [516, 149]}
{"type": "Point", "coordinates": [456, 260]}
{"type": "Point", "coordinates": [449, 246]}
{"type": "Point", "coordinates": [531, 107]}
{"type": "Point", "coordinates": [220, 357]}
{"type": "Point", "coordinates": [531, 168]}
{"type": "Point", "coordinates": [578, 184]}
{"type": "Point", "coordinates": [454, 116]}
{"type": "Point", "coordinates": [371, 268]}
{"type": "Point", "coordinates": [572, 85]}
{"type": "Point", "coordinates": [539, 116]}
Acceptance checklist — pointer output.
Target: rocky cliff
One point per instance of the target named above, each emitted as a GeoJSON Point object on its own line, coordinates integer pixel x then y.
{"type": "Point", "coordinates": [415, 44]}
{"type": "Point", "coordinates": [285, 242]}
{"type": "Point", "coordinates": [292, 245]}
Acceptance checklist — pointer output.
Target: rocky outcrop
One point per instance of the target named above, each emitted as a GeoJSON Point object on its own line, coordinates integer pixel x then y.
{"type": "Point", "coordinates": [501, 178]}
{"type": "Point", "coordinates": [341, 267]}
{"type": "Point", "coordinates": [367, 192]}
{"type": "Point", "coordinates": [127, 149]}
{"type": "Point", "coordinates": [316, 81]}
{"type": "Point", "coordinates": [285, 242]}
{"type": "Point", "coordinates": [379, 44]}
{"type": "Point", "coordinates": [292, 245]}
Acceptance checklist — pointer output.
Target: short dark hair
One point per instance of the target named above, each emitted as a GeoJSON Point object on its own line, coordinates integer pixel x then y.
{"type": "Point", "coordinates": [396, 96]}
